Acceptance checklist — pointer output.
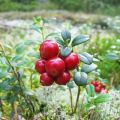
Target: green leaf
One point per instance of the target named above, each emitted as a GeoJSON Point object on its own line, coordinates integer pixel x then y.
{"type": "Point", "coordinates": [90, 90]}
{"type": "Point", "coordinates": [3, 74]}
{"type": "Point", "coordinates": [88, 68]}
{"type": "Point", "coordinates": [17, 58]}
{"type": "Point", "coordinates": [80, 78]}
{"type": "Point", "coordinates": [30, 42]}
{"type": "Point", "coordinates": [4, 86]}
{"type": "Point", "coordinates": [86, 58]}
{"type": "Point", "coordinates": [70, 85]}
{"type": "Point", "coordinates": [66, 35]}
{"type": "Point", "coordinates": [37, 20]}
{"type": "Point", "coordinates": [65, 51]}
{"type": "Point", "coordinates": [101, 98]}
{"type": "Point", "coordinates": [112, 56]}
{"type": "Point", "coordinates": [20, 48]}
{"type": "Point", "coordinates": [29, 92]}
{"type": "Point", "coordinates": [80, 39]}
{"type": "Point", "coordinates": [12, 98]}
{"type": "Point", "coordinates": [60, 42]}
{"type": "Point", "coordinates": [34, 54]}
{"type": "Point", "coordinates": [90, 106]}
{"type": "Point", "coordinates": [16, 89]}
{"type": "Point", "coordinates": [36, 28]}
{"type": "Point", "coordinates": [52, 34]}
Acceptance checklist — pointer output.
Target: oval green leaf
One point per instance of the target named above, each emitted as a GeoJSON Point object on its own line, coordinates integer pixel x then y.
{"type": "Point", "coordinates": [66, 35]}
{"type": "Point", "coordinates": [86, 58]}
{"type": "Point", "coordinates": [70, 85]}
{"type": "Point", "coordinates": [65, 51]}
{"type": "Point", "coordinates": [59, 41]}
{"type": "Point", "coordinates": [101, 98]}
{"type": "Point", "coordinates": [90, 90]}
{"type": "Point", "coordinates": [80, 39]}
{"type": "Point", "coordinates": [88, 68]}
{"type": "Point", "coordinates": [80, 78]}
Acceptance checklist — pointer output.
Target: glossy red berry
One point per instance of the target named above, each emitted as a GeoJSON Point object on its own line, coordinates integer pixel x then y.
{"type": "Point", "coordinates": [55, 66]}
{"type": "Point", "coordinates": [97, 89]}
{"type": "Point", "coordinates": [40, 66]}
{"type": "Point", "coordinates": [46, 80]}
{"type": "Point", "coordinates": [49, 49]}
{"type": "Point", "coordinates": [95, 83]}
{"type": "Point", "coordinates": [71, 61]}
{"type": "Point", "coordinates": [63, 79]}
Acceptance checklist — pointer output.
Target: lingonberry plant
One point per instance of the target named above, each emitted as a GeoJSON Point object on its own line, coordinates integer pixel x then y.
{"type": "Point", "coordinates": [60, 64]}
{"type": "Point", "coordinates": [57, 63]}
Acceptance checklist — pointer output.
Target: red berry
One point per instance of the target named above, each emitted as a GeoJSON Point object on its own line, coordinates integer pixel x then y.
{"type": "Point", "coordinates": [97, 89]}
{"type": "Point", "coordinates": [95, 83]}
{"type": "Point", "coordinates": [63, 79]}
{"type": "Point", "coordinates": [49, 49]}
{"type": "Point", "coordinates": [71, 61]}
{"type": "Point", "coordinates": [46, 80]}
{"type": "Point", "coordinates": [55, 66]}
{"type": "Point", "coordinates": [40, 66]}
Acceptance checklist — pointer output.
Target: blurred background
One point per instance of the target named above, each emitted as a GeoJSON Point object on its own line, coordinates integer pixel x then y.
{"type": "Point", "coordinates": [106, 7]}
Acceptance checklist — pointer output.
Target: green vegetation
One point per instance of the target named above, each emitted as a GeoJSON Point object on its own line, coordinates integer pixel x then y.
{"type": "Point", "coordinates": [12, 5]}
{"type": "Point", "coordinates": [109, 7]}
{"type": "Point", "coordinates": [93, 92]}
{"type": "Point", "coordinates": [106, 7]}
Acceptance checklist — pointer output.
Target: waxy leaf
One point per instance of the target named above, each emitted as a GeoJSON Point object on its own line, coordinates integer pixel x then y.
{"type": "Point", "coordinates": [66, 35]}
{"type": "Point", "coordinates": [65, 51]}
{"type": "Point", "coordinates": [70, 85]}
{"type": "Point", "coordinates": [101, 98]}
{"type": "Point", "coordinates": [20, 48]}
{"type": "Point", "coordinates": [36, 28]}
{"type": "Point", "coordinates": [80, 78]}
{"type": "Point", "coordinates": [86, 58]}
{"type": "Point", "coordinates": [52, 34]}
{"type": "Point", "coordinates": [80, 39]}
{"type": "Point", "coordinates": [112, 56]}
{"type": "Point", "coordinates": [60, 42]}
{"type": "Point", "coordinates": [88, 68]}
{"type": "Point", "coordinates": [90, 90]}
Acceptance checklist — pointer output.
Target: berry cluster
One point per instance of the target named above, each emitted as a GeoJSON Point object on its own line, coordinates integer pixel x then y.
{"type": "Point", "coordinates": [52, 66]}
{"type": "Point", "coordinates": [99, 87]}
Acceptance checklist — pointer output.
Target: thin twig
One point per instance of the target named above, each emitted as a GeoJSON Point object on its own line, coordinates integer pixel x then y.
{"type": "Point", "coordinates": [77, 99]}
{"type": "Point", "coordinates": [71, 99]}
{"type": "Point", "coordinates": [31, 80]}
{"type": "Point", "coordinates": [1, 105]}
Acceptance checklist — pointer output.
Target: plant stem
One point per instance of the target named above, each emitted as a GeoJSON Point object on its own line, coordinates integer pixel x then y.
{"type": "Point", "coordinates": [77, 99]}
{"type": "Point", "coordinates": [14, 109]}
{"type": "Point", "coordinates": [42, 33]}
{"type": "Point", "coordinates": [71, 99]}
{"type": "Point", "coordinates": [31, 80]}
{"type": "Point", "coordinates": [1, 105]}
{"type": "Point", "coordinates": [15, 74]}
